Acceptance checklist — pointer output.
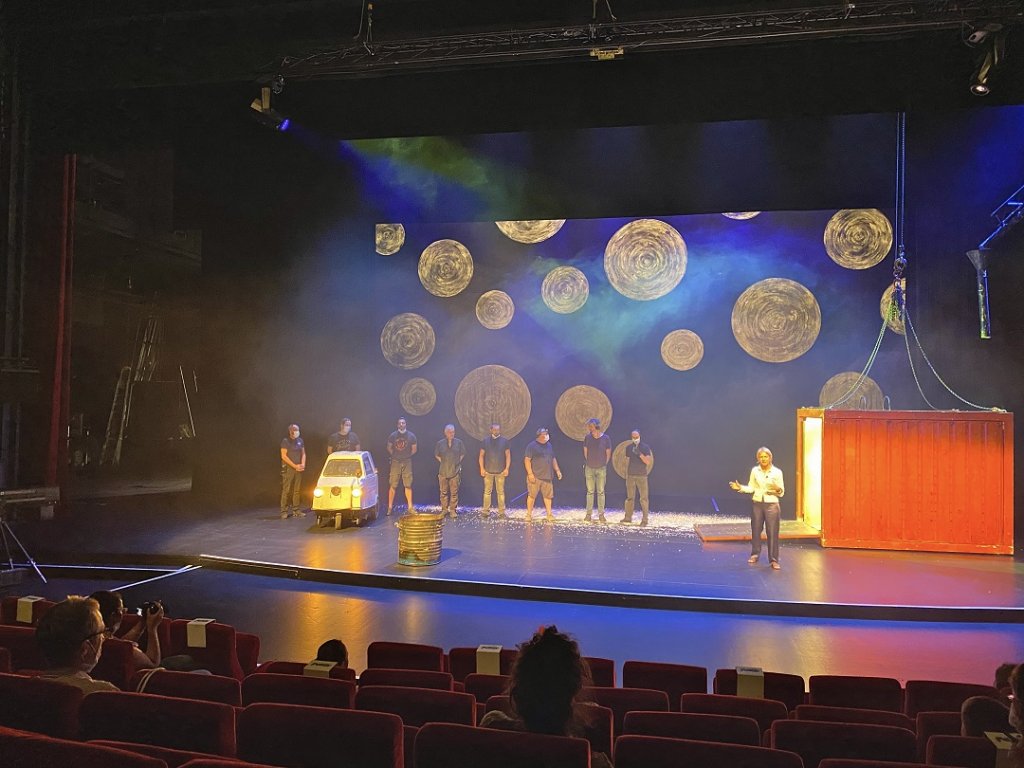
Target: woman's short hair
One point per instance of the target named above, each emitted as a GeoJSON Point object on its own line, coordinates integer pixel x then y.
{"type": "Point", "coordinates": [547, 678]}
{"type": "Point", "coordinates": [62, 629]}
{"type": "Point", "coordinates": [333, 650]}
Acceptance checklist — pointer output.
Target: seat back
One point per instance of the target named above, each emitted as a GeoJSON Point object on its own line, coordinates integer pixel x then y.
{"type": "Point", "coordinates": [21, 642]}
{"type": "Point", "coordinates": [418, 706]}
{"type": "Point", "coordinates": [19, 749]}
{"type": "Point", "coordinates": [9, 611]}
{"type": "Point", "coordinates": [319, 737]}
{"type": "Point", "coordinates": [407, 678]}
{"type": "Point", "coordinates": [849, 762]}
{"type": "Point", "coordinates": [814, 741]}
{"type": "Point", "coordinates": [659, 752]}
{"type": "Point", "coordinates": [41, 706]}
{"type": "Point", "coordinates": [298, 689]}
{"type": "Point", "coordinates": [781, 686]}
{"type": "Point", "coordinates": [197, 726]}
{"type": "Point", "coordinates": [963, 751]}
{"type": "Point", "coordinates": [442, 745]}
{"type": "Point", "coordinates": [404, 656]}
{"type": "Point", "coordinates": [853, 715]}
{"type": "Point", "coordinates": [186, 685]}
{"type": "Point", "coordinates": [5, 660]}
{"type": "Point", "coordinates": [116, 664]}
{"type": "Point", "coordinates": [673, 679]}
{"type": "Point", "coordinates": [485, 686]}
{"type": "Point", "coordinates": [174, 758]}
{"type": "Point", "coordinates": [884, 693]}
{"type": "Point", "coordinates": [602, 671]}
{"type": "Point", "coordinates": [725, 729]}
{"type": "Point", "coordinates": [623, 700]}
{"type": "Point", "coordinates": [247, 648]}
{"type": "Point", "coordinates": [298, 668]}
{"type": "Point", "coordinates": [937, 696]}
{"type": "Point", "coordinates": [935, 724]}
{"type": "Point", "coordinates": [764, 711]}
{"type": "Point", "coordinates": [220, 655]}
{"type": "Point", "coordinates": [462, 661]}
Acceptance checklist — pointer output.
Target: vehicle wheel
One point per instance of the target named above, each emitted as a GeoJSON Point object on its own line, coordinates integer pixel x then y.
{"type": "Point", "coordinates": [337, 521]}
{"type": "Point", "coordinates": [371, 513]}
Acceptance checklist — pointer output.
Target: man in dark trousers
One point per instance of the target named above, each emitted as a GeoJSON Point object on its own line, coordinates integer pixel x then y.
{"type": "Point", "coordinates": [293, 464]}
{"type": "Point", "coordinates": [344, 439]}
{"type": "Point", "coordinates": [495, 460]}
{"type": "Point", "coordinates": [640, 458]}
{"type": "Point", "coordinates": [449, 452]}
{"type": "Point", "coordinates": [401, 448]}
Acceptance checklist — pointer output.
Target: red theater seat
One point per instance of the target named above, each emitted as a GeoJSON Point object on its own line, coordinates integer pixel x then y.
{"type": "Point", "coordinates": [209, 762]}
{"type": "Point", "coordinates": [247, 647]}
{"type": "Point", "coordinates": [814, 741]}
{"type": "Point", "coordinates": [163, 629]}
{"type": "Point", "coordinates": [19, 749]}
{"type": "Point", "coordinates": [485, 686]}
{"type": "Point", "coordinates": [602, 671]}
{"type": "Point", "coordinates": [21, 642]}
{"type": "Point", "coordinates": [116, 664]}
{"type": "Point", "coordinates": [220, 655]}
{"type": "Point", "coordinates": [462, 661]}
{"type": "Point", "coordinates": [9, 611]}
{"type": "Point", "coordinates": [42, 706]}
{"type": "Point", "coordinates": [418, 706]}
{"type": "Point", "coordinates": [935, 724]}
{"type": "Point", "coordinates": [599, 726]}
{"type": "Point", "coordinates": [843, 762]}
{"type": "Point", "coordinates": [298, 667]}
{"type": "Point", "coordinates": [623, 700]}
{"type": "Point", "coordinates": [319, 737]}
{"type": "Point", "coordinates": [853, 715]}
{"type": "Point", "coordinates": [173, 758]}
{"type": "Point", "coordinates": [5, 660]}
{"type": "Point", "coordinates": [142, 718]}
{"type": "Point", "coordinates": [659, 752]}
{"type": "Point", "coordinates": [855, 691]}
{"type": "Point", "coordinates": [404, 656]}
{"type": "Point", "coordinates": [673, 679]}
{"type": "Point", "coordinates": [407, 678]}
{"type": "Point", "coordinates": [780, 686]}
{"type": "Point", "coordinates": [725, 729]}
{"type": "Point", "coordinates": [186, 685]}
{"type": "Point", "coordinates": [441, 745]}
{"type": "Point", "coordinates": [764, 711]}
{"type": "Point", "coordinates": [963, 751]}
{"type": "Point", "coordinates": [937, 696]}
{"type": "Point", "coordinates": [298, 689]}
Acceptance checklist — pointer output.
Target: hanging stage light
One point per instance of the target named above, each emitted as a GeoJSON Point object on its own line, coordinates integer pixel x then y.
{"type": "Point", "coordinates": [993, 40]}
{"type": "Point", "coordinates": [267, 116]}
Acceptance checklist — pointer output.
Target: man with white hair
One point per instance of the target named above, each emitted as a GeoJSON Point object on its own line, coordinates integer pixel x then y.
{"type": "Point", "coordinates": [70, 636]}
{"type": "Point", "coordinates": [449, 452]}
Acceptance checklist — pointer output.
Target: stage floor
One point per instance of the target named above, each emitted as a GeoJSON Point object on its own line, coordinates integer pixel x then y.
{"type": "Point", "coordinates": [664, 565]}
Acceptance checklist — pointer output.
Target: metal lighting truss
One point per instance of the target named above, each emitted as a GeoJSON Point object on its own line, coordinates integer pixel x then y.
{"type": "Point", "coordinates": [367, 56]}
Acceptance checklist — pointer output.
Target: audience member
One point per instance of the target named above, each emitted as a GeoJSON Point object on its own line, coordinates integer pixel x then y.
{"type": "Point", "coordinates": [983, 713]}
{"type": "Point", "coordinates": [112, 610]}
{"type": "Point", "coordinates": [333, 650]}
{"type": "Point", "coordinates": [70, 636]}
{"type": "Point", "coordinates": [546, 689]}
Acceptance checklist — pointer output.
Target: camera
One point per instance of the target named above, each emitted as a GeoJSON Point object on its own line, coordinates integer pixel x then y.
{"type": "Point", "coordinates": [150, 606]}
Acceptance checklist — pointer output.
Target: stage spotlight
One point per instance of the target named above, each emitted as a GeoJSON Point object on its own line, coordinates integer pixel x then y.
{"type": "Point", "coordinates": [267, 116]}
{"type": "Point", "coordinates": [994, 41]}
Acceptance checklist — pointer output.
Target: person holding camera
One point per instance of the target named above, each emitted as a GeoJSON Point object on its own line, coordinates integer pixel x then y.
{"type": "Point", "coordinates": [112, 610]}
{"type": "Point", "coordinates": [640, 458]}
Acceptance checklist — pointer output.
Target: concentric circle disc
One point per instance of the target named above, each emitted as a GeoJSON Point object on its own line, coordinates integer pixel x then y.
{"type": "Point", "coordinates": [858, 238]}
{"type": "Point", "coordinates": [776, 320]}
{"type": "Point", "coordinates": [417, 397]}
{"type": "Point", "coordinates": [645, 259]}
{"type": "Point", "coordinates": [890, 313]}
{"type": "Point", "coordinates": [867, 397]}
{"type": "Point", "coordinates": [446, 267]}
{"type": "Point", "coordinates": [494, 310]}
{"type": "Point", "coordinates": [530, 231]}
{"type": "Point", "coordinates": [565, 290]}
{"type": "Point", "coordinates": [620, 461]}
{"type": "Point", "coordinates": [407, 340]}
{"type": "Point", "coordinates": [682, 350]}
{"type": "Point", "coordinates": [492, 394]}
{"type": "Point", "coordinates": [577, 406]}
{"type": "Point", "coordinates": [389, 238]}
{"type": "Point", "coordinates": [741, 215]}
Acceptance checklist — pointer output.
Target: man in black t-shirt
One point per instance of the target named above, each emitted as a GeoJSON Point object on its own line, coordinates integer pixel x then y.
{"type": "Point", "coordinates": [541, 470]}
{"type": "Point", "coordinates": [597, 452]}
{"type": "Point", "coordinates": [640, 458]}
{"type": "Point", "coordinates": [495, 459]}
{"type": "Point", "coordinates": [293, 464]}
{"type": "Point", "coordinates": [344, 439]}
{"type": "Point", "coordinates": [401, 449]}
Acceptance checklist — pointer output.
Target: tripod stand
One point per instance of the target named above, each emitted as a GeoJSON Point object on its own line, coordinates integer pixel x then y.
{"type": "Point", "coordinates": [5, 531]}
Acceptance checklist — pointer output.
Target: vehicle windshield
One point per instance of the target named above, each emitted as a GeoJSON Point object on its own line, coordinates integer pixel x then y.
{"type": "Point", "coordinates": [343, 468]}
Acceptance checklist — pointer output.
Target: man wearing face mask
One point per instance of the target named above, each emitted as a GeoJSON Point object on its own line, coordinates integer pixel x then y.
{"type": "Point", "coordinates": [541, 470]}
{"type": "Point", "coordinates": [344, 439]}
{"type": "Point", "coordinates": [401, 449]}
{"type": "Point", "coordinates": [293, 464]}
{"type": "Point", "coordinates": [640, 458]}
{"type": "Point", "coordinates": [449, 452]}
{"type": "Point", "coordinates": [70, 636]}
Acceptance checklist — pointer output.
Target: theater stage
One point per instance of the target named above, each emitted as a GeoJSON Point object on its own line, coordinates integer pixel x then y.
{"type": "Point", "coordinates": [665, 565]}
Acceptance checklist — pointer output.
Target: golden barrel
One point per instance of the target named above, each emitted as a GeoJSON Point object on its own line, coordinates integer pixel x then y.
{"type": "Point", "coordinates": [419, 539]}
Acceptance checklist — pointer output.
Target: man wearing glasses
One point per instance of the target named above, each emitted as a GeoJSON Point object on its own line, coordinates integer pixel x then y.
{"type": "Point", "coordinates": [70, 636]}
